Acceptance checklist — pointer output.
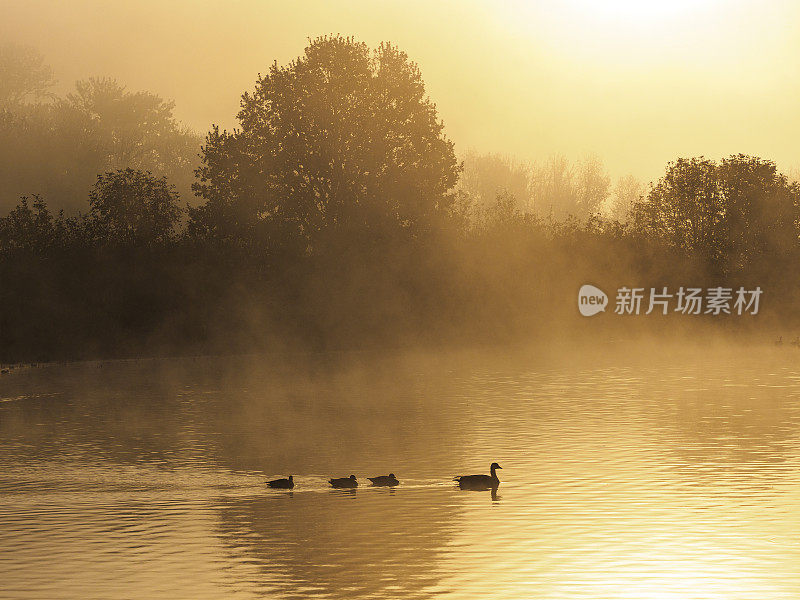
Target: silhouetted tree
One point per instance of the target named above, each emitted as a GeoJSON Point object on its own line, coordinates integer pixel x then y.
{"type": "Point", "coordinates": [727, 213]}
{"type": "Point", "coordinates": [134, 129]}
{"type": "Point", "coordinates": [133, 207]}
{"type": "Point", "coordinates": [685, 209]}
{"type": "Point", "coordinates": [762, 210]}
{"type": "Point", "coordinates": [341, 139]}
{"type": "Point", "coordinates": [56, 150]}
{"type": "Point", "coordinates": [31, 228]}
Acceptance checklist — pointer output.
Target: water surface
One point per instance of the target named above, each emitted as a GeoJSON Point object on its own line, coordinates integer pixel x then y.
{"type": "Point", "coordinates": [649, 478]}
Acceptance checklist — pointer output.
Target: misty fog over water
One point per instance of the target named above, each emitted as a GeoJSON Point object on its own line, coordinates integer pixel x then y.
{"type": "Point", "coordinates": [146, 479]}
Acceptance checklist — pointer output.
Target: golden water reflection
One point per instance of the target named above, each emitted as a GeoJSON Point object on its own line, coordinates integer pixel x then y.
{"type": "Point", "coordinates": [618, 482]}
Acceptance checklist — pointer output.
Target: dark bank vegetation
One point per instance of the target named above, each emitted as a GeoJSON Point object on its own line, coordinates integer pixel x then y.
{"type": "Point", "coordinates": [337, 215]}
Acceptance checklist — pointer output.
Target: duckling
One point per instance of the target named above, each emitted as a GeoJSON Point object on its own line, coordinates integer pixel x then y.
{"type": "Point", "coordinates": [282, 484]}
{"type": "Point", "coordinates": [384, 480]}
{"type": "Point", "coordinates": [480, 482]}
{"type": "Point", "coordinates": [344, 482]}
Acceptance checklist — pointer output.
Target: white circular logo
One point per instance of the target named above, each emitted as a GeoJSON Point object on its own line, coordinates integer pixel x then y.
{"type": "Point", "coordinates": [591, 300]}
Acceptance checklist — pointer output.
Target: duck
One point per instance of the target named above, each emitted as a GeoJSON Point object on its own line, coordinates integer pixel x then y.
{"type": "Point", "coordinates": [282, 484]}
{"type": "Point", "coordinates": [344, 482]}
{"type": "Point", "coordinates": [480, 482]}
{"type": "Point", "coordinates": [385, 480]}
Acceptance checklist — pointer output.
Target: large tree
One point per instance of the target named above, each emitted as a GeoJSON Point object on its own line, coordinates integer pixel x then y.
{"type": "Point", "coordinates": [341, 139]}
{"type": "Point", "coordinates": [729, 213]}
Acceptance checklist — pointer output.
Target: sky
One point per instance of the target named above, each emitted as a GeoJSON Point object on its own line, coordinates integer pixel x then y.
{"type": "Point", "coordinates": [635, 82]}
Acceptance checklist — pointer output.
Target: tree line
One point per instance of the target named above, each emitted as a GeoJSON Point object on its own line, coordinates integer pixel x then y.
{"type": "Point", "coordinates": [336, 214]}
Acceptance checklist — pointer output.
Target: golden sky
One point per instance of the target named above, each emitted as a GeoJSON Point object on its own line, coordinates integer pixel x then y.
{"type": "Point", "coordinates": [636, 82]}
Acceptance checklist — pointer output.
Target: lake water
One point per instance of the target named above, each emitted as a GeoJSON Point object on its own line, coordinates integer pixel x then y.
{"type": "Point", "coordinates": [668, 476]}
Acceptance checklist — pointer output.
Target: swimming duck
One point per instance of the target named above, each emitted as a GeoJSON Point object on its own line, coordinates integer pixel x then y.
{"type": "Point", "coordinates": [283, 484]}
{"type": "Point", "coordinates": [386, 480]}
{"type": "Point", "coordinates": [480, 482]}
{"type": "Point", "coordinates": [344, 482]}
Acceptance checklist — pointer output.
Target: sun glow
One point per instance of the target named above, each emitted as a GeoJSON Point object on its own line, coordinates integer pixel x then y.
{"type": "Point", "coordinates": [626, 32]}
{"type": "Point", "coordinates": [634, 12]}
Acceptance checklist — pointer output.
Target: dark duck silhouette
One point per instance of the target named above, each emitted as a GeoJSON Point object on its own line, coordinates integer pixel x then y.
{"type": "Point", "coordinates": [480, 482]}
{"type": "Point", "coordinates": [282, 484]}
{"type": "Point", "coordinates": [385, 480]}
{"type": "Point", "coordinates": [344, 482]}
